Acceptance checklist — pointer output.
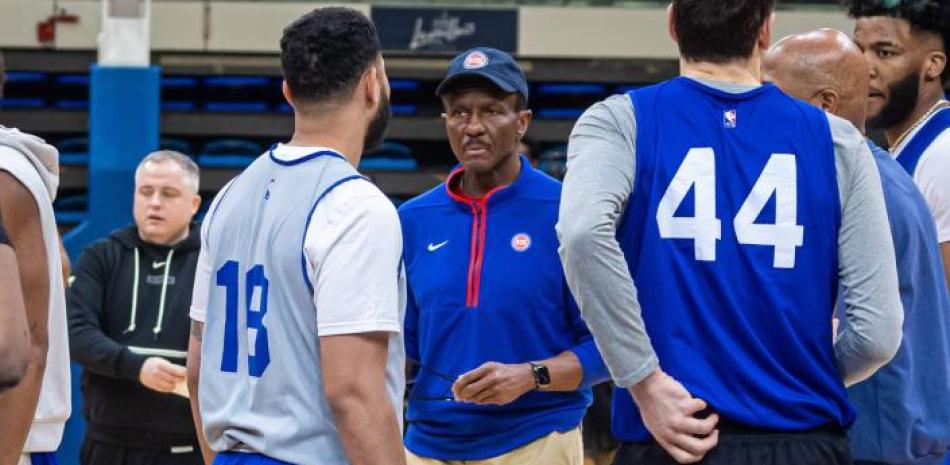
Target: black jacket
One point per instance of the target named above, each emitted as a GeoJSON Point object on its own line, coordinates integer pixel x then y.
{"type": "Point", "coordinates": [111, 339]}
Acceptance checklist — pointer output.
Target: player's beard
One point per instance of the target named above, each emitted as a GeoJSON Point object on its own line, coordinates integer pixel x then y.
{"type": "Point", "coordinates": [901, 100]}
{"type": "Point", "coordinates": [377, 127]}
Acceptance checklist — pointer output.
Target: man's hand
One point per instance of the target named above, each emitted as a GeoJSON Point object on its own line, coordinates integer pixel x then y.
{"type": "Point", "coordinates": [667, 409]}
{"type": "Point", "coordinates": [494, 383]}
{"type": "Point", "coordinates": [161, 375]}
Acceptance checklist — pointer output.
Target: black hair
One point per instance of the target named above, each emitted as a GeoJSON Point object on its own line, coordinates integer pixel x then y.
{"type": "Point", "coordinates": [325, 52]}
{"type": "Point", "coordinates": [923, 15]}
{"type": "Point", "coordinates": [719, 31]}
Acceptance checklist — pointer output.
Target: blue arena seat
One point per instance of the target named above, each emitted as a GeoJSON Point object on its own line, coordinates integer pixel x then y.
{"type": "Point", "coordinates": [25, 90]}
{"type": "Point", "coordinates": [392, 156]}
{"type": "Point", "coordinates": [70, 210]}
{"type": "Point", "coordinates": [72, 91]}
{"type": "Point", "coordinates": [566, 100]}
{"type": "Point", "coordinates": [239, 94]}
{"type": "Point", "coordinates": [229, 154]}
{"type": "Point", "coordinates": [74, 151]}
{"type": "Point", "coordinates": [405, 96]}
{"type": "Point", "coordinates": [179, 93]}
{"type": "Point", "coordinates": [178, 145]}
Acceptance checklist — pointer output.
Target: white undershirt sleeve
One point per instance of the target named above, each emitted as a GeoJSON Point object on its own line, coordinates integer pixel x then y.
{"type": "Point", "coordinates": [353, 249]}
{"type": "Point", "coordinates": [933, 178]}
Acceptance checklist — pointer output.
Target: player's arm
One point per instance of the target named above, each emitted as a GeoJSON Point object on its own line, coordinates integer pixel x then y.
{"type": "Point", "coordinates": [67, 266]}
{"type": "Point", "coordinates": [601, 165]}
{"type": "Point", "coordinates": [353, 250]}
{"type": "Point", "coordinates": [21, 219]}
{"type": "Point", "coordinates": [194, 376]}
{"type": "Point", "coordinates": [354, 368]}
{"type": "Point", "coordinates": [866, 265]}
{"type": "Point", "coordinates": [945, 253]}
{"type": "Point", "coordinates": [14, 333]}
{"type": "Point", "coordinates": [199, 304]}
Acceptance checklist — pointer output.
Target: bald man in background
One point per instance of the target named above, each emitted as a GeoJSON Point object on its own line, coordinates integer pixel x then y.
{"type": "Point", "coordinates": [903, 409]}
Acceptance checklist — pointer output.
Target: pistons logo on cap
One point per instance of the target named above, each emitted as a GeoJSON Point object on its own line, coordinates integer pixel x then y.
{"type": "Point", "coordinates": [521, 242]}
{"type": "Point", "coordinates": [475, 60]}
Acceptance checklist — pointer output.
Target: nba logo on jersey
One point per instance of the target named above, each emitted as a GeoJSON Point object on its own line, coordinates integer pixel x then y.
{"type": "Point", "coordinates": [729, 118]}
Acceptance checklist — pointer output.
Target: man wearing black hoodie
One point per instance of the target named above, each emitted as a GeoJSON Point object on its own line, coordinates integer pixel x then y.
{"type": "Point", "coordinates": [129, 325]}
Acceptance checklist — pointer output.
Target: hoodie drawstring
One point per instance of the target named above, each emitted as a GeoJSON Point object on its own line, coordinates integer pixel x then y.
{"type": "Point", "coordinates": [161, 303]}
{"type": "Point", "coordinates": [135, 293]}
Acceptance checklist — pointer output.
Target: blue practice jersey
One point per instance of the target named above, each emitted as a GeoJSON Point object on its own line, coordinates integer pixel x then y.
{"type": "Point", "coordinates": [731, 237]}
{"type": "Point", "coordinates": [261, 384]}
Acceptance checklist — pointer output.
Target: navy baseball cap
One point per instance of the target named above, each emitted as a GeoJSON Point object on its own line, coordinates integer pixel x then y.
{"type": "Point", "coordinates": [492, 64]}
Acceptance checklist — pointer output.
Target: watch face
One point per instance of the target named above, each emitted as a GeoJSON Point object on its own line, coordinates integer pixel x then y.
{"type": "Point", "coordinates": [541, 375]}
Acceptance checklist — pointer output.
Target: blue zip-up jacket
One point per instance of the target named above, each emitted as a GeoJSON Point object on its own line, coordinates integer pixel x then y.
{"type": "Point", "coordinates": [486, 284]}
{"type": "Point", "coordinates": [904, 409]}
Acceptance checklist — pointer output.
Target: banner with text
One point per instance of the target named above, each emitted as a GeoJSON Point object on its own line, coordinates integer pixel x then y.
{"type": "Point", "coordinates": [446, 29]}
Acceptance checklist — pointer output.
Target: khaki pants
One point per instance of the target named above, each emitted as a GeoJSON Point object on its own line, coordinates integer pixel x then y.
{"type": "Point", "coordinates": [553, 449]}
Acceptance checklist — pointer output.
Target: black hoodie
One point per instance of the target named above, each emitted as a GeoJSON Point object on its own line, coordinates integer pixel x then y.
{"type": "Point", "coordinates": [130, 301]}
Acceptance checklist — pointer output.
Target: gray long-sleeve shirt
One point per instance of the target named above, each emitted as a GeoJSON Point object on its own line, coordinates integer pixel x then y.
{"type": "Point", "coordinates": [601, 165]}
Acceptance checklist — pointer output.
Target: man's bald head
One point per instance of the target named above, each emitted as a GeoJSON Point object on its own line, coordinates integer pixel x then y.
{"type": "Point", "coordinates": [824, 68]}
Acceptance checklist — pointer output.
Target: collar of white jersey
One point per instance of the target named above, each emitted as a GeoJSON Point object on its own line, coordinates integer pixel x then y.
{"type": "Point", "coordinates": [283, 154]}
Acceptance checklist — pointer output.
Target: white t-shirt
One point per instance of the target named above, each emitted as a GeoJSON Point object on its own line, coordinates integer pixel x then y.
{"type": "Point", "coordinates": [932, 177]}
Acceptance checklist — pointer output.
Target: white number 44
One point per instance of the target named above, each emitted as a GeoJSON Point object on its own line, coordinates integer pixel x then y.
{"type": "Point", "coordinates": [698, 172]}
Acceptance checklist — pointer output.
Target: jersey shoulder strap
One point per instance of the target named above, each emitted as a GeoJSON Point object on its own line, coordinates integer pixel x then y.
{"type": "Point", "coordinates": [910, 156]}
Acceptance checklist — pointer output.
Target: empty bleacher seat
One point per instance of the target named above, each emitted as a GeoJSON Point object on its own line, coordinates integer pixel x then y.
{"type": "Point", "coordinates": [229, 154]}
{"type": "Point", "coordinates": [566, 101]}
{"type": "Point", "coordinates": [70, 210]}
{"type": "Point", "coordinates": [25, 90]}
{"type": "Point", "coordinates": [404, 96]}
{"type": "Point", "coordinates": [245, 94]}
{"type": "Point", "coordinates": [178, 145]}
{"type": "Point", "coordinates": [74, 151]}
{"type": "Point", "coordinates": [392, 156]}
{"type": "Point", "coordinates": [179, 93]}
{"type": "Point", "coordinates": [72, 91]}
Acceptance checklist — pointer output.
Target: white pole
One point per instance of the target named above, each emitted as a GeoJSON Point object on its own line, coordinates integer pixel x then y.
{"type": "Point", "coordinates": [125, 37]}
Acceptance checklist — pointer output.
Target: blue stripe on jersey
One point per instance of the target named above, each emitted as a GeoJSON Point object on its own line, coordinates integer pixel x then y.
{"type": "Point", "coordinates": [303, 254]}
{"type": "Point", "coordinates": [245, 458]}
{"type": "Point", "coordinates": [305, 158]}
{"type": "Point", "coordinates": [43, 458]}
{"type": "Point", "coordinates": [910, 156]}
{"type": "Point", "coordinates": [731, 237]}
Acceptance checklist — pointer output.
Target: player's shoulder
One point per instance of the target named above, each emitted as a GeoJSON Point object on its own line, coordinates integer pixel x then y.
{"type": "Point", "coordinates": [935, 161]}
{"type": "Point", "coordinates": [355, 196]}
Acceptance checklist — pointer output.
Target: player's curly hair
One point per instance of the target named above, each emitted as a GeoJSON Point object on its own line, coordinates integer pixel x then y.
{"type": "Point", "coordinates": [719, 32]}
{"type": "Point", "coordinates": [324, 53]}
{"type": "Point", "coordinates": [927, 15]}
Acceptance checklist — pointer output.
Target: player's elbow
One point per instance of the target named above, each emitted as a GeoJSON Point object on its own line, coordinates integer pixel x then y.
{"type": "Point", "coordinates": [888, 340]}
{"type": "Point", "coordinates": [577, 238]}
{"type": "Point", "coordinates": [345, 397]}
{"type": "Point", "coordinates": [14, 362]}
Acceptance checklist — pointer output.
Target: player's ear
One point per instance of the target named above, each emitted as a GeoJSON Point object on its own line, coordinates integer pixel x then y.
{"type": "Point", "coordinates": [285, 89]}
{"type": "Point", "coordinates": [934, 65]}
{"type": "Point", "coordinates": [671, 23]}
{"type": "Point", "coordinates": [370, 85]}
{"type": "Point", "coordinates": [827, 99]}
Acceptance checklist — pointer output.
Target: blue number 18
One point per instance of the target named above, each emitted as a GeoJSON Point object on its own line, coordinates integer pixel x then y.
{"type": "Point", "coordinates": [255, 284]}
